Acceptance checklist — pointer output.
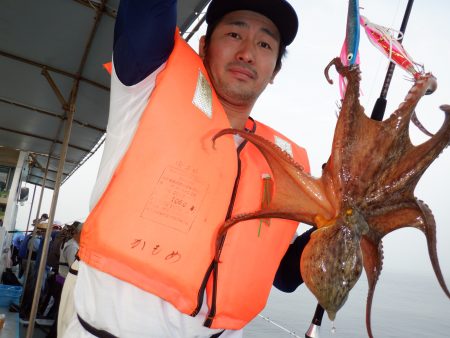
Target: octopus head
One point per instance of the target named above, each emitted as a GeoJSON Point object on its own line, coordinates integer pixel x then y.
{"type": "Point", "coordinates": [331, 263]}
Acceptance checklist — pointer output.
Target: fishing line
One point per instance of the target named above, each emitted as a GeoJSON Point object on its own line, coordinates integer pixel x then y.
{"type": "Point", "coordinates": [391, 32]}
{"type": "Point", "coordinates": [292, 333]}
{"type": "Point", "coordinates": [396, 13]}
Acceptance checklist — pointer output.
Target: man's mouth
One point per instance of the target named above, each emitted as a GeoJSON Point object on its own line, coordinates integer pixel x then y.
{"type": "Point", "coordinates": [242, 71]}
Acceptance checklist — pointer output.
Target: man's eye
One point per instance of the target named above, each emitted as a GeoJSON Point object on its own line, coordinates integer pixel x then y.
{"type": "Point", "coordinates": [233, 35]}
{"type": "Point", "coordinates": [265, 45]}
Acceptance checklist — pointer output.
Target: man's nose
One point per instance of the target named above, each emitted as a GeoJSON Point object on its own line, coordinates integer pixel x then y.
{"type": "Point", "coordinates": [246, 52]}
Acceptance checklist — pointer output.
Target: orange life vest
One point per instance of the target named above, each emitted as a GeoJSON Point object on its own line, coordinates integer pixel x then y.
{"type": "Point", "coordinates": [156, 224]}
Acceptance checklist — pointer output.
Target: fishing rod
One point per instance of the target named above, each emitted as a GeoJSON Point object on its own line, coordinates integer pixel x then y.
{"type": "Point", "coordinates": [314, 328]}
{"type": "Point", "coordinates": [380, 105]}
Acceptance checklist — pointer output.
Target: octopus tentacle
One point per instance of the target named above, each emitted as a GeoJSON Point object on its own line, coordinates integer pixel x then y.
{"type": "Point", "coordinates": [404, 164]}
{"type": "Point", "coordinates": [295, 190]}
{"type": "Point", "coordinates": [258, 214]}
{"type": "Point", "coordinates": [419, 124]}
{"type": "Point", "coordinates": [258, 140]}
{"type": "Point", "coordinates": [262, 214]}
{"type": "Point", "coordinates": [397, 213]}
{"type": "Point", "coordinates": [335, 62]}
{"type": "Point", "coordinates": [430, 233]}
{"type": "Point", "coordinates": [373, 262]}
{"type": "Point", "coordinates": [419, 158]}
{"type": "Point", "coordinates": [419, 89]}
{"type": "Point", "coordinates": [352, 120]}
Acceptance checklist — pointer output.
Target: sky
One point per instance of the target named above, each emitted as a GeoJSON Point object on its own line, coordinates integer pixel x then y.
{"type": "Point", "coordinates": [303, 106]}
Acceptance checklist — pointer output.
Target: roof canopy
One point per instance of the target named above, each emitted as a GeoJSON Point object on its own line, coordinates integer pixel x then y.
{"type": "Point", "coordinates": [51, 57]}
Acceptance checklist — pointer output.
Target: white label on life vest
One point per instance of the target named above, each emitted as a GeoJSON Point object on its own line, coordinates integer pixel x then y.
{"type": "Point", "coordinates": [203, 95]}
{"type": "Point", "coordinates": [284, 145]}
{"type": "Point", "coordinates": [176, 199]}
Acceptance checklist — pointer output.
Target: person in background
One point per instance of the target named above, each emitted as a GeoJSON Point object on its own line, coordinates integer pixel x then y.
{"type": "Point", "coordinates": [35, 243]}
{"type": "Point", "coordinates": [43, 218]}
{"type": "Point", "coordinates": [69, 248]}
{"type": "Point", "coordinates": [32, 242]}
{"type": "Point", "coordinates": [68, 243]}
{"type": "Point", "coordinates": [151, 262]}
{"type": "Point", "coordinates": [66, 312]}
{"type": "Point", "coordinates": [17, 239]}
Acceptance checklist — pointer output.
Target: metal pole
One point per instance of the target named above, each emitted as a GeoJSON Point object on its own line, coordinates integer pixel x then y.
{"type": "Point", "coordinates": [37, 290]}
{"type": "Point", "coordinates": [27, 269]}
{"type": "Point", "coordinates": [380, 105]}
{"type": "Point", "coordinates": [62, 159]}
{"type": "Point", "coordinates": [31, 208]}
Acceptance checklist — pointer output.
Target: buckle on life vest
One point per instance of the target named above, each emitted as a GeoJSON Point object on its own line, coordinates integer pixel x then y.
{"type": "Point", "coordinates": [266, 198]}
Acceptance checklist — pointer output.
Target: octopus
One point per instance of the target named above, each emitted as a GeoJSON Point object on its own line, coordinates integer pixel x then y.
{"type": "Point", "coordinates": [365, 192]}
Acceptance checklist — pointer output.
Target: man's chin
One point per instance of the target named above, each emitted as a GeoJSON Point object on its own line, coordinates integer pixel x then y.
{"type": "Point", "coordinates": [240, 97]}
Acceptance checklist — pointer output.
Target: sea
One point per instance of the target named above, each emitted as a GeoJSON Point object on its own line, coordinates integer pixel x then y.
{"type": "Point", "coordinates": [405, 305]}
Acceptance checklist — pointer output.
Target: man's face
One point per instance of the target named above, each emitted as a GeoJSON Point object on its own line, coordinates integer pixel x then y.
{"type": "Point", "coordinates": [241, 56]}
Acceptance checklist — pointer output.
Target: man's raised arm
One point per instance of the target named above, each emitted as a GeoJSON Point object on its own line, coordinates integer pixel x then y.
{"type": "Point", "coordinates": [143, 37]}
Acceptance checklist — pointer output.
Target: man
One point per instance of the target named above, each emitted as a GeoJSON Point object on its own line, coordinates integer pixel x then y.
{"type": "Point", "coordinates": [151, 263]}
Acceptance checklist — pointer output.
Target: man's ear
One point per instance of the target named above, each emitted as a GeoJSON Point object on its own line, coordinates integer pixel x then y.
{"type": "Point", "coordinates": [202, 47]}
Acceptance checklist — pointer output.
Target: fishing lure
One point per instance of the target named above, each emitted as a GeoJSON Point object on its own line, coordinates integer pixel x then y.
{"type": "Point", "coordinates": [349, 52]}
{"type": "Point", "coordinates": [382, 38]}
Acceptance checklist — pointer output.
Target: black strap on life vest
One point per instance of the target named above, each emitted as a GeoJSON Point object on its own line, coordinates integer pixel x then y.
{"type": "Point", "coordinates": [105, 334]}
{"type": "Point", "coordinates": [92, 330]}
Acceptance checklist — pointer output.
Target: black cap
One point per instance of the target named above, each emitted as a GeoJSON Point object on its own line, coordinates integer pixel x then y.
{"type": "Point", "coordinates": [279, 11]}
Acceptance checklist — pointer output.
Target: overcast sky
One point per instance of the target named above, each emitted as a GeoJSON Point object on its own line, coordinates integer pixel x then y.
{"type": "Point", "coordinates": [302, 105]}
